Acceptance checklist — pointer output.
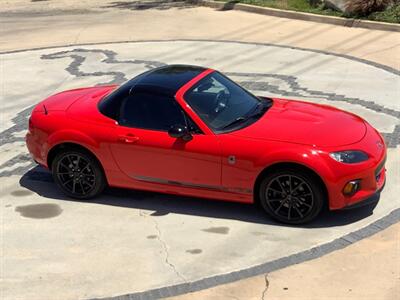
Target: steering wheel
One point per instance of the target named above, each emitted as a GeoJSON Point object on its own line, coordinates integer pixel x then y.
{"type": "Point", "coordinates": [221, 101]}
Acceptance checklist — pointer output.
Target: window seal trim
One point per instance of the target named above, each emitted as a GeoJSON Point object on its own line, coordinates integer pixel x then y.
{"type": "Point", "coordinates": [179, 96]}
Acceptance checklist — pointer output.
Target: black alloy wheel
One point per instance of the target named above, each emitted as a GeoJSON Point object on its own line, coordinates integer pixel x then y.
{"type": "Point", "coordinates": [78, 174]}
{"type": "Point", "coordinates": [291, 196]}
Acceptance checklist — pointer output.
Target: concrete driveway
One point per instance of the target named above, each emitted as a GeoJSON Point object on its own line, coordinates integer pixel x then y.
{"type": "Point", "coordinates": [127, 242]}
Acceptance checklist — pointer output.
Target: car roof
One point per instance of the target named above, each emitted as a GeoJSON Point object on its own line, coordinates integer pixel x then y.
{"type": "Point", "coordinates": [168, 79]}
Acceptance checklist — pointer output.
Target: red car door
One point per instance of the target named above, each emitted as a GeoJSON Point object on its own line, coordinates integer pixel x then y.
{"type": "Point", "coordinates": [145, 151]}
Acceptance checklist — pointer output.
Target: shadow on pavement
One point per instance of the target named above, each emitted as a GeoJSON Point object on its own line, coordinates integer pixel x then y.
{"type": "Point", "coordinates": [144, 5]}
{"type": "Point", "coordinates": [40, 181]}
{"type": "Point", "coordinates": [229, 5]}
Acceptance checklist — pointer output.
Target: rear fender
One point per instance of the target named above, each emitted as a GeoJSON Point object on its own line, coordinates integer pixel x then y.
{"type": "Point", "coordinates": [71, 136]}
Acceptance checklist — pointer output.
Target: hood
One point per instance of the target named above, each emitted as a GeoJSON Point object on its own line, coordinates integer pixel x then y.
{"type": "Point", "coordinates": [306, 123]}
{"type": "Point", "coordinates": [62, 101]}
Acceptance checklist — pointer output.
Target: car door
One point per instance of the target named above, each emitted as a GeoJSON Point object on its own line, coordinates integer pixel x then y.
{"type": "Point", "coordinates": [145, 151]}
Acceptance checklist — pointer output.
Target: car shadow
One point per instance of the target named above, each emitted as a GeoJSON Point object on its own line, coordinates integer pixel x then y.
{"type": "Point", "coordinates": [146, 5]}
{"type": "Point", "coordinates": [40, 181]}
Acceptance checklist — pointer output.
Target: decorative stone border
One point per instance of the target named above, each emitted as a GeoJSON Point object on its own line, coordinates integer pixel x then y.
{"type": "Point", "coordinates": [268, 267]}
{"type": "Point", "coordinates": [298, 15]}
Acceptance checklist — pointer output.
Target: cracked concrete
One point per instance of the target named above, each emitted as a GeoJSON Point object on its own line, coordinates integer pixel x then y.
{"type": "Point", "coordinates": [167, 256]}
{"type": "Point", "coordinates": [163, 244]}
{"type": "Point", "coordinates": [264, 293]}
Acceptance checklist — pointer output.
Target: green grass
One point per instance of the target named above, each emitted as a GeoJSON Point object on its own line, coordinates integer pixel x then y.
{"type": "Point", "coordinates": [391, 14]}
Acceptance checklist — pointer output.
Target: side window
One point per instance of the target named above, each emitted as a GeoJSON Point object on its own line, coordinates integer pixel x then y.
{"type": "Point", "coordinates": [150, 111]}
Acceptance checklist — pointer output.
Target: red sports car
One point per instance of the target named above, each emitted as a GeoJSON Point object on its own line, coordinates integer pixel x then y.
{"type": "Point", "coordinates": [190, 130]}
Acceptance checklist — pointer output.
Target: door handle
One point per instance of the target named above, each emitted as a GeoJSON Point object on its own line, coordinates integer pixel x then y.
{"type": "Point", "coordinates": [129, 138]}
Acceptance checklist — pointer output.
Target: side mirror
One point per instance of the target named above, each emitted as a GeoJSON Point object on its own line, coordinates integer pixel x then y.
{"type": "Point", "coordinates": [180, 132]}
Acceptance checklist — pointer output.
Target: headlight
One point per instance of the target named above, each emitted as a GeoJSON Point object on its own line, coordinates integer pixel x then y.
{"type": "Point", "coordinates": [349, 157]}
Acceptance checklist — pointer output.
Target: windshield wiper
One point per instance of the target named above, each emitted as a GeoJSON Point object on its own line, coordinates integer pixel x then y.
{"type": "Point", "coordinates": [259, 110]}
{"type": "Point", "coordinates": [237, 120]}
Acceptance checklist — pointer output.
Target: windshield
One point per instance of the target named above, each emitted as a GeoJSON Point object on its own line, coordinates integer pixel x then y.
{"type": "Point", "coordinates": [223, 105]}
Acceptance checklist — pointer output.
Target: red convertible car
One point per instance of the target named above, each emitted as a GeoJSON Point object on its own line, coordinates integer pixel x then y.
{"type": "Point", "coordinates": [192, 131]}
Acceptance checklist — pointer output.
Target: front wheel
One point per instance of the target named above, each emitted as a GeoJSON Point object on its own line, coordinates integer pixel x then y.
{"type": "Point", "coordinates": [291, 196]}
{"type": "Point", "coordinates": [78, 174]}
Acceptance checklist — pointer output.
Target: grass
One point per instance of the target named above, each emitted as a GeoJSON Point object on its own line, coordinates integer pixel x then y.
{"type": "Point", "coordinates": [390, 15]}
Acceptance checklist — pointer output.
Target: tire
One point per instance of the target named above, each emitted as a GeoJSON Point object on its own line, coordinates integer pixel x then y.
{"type": "Point", "coordinates": [291, 196]}
{"type": "Point", "coordinates": [78, 174]}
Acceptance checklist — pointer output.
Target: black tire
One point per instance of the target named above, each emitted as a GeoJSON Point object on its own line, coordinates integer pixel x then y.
{"type": "Point", "coordinates": [291, 196]}
{"type": "Point", "coordinates": [78, 174]}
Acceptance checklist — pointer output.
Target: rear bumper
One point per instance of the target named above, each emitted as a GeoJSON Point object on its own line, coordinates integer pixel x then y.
{"type": "Point", "coordinates": [35, 149]}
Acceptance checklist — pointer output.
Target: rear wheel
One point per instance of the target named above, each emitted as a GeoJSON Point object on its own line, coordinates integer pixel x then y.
{"type": "Point", "coordinates": [78, 174]}
{"type": "Point", "coordinates": [291, 196]}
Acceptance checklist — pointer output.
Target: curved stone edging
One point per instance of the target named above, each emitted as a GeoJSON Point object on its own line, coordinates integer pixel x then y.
{"type": "Point", "coordinates": [290, 14]}
{"type": "Point", "coordinates": [313, 253]}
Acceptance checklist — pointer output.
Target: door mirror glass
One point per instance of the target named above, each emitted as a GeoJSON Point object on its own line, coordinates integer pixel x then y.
{"type": "Point", "coordinates": [180, 132]}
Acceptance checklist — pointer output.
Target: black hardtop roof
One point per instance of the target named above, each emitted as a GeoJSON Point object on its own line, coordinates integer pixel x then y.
{"type": "Point", "coordinates": [168, 79]}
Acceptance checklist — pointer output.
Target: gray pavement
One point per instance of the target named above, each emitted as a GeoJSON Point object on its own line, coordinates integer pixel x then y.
{"type": "Point", "coordinates": [129, 241]}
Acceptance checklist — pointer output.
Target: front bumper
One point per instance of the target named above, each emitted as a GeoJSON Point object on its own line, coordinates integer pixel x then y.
{"type": "Point", "coordinates": [371, 173]}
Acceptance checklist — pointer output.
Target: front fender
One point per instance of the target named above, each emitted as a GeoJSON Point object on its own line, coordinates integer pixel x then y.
{"type": "Point", "coordinates": [307, 157]}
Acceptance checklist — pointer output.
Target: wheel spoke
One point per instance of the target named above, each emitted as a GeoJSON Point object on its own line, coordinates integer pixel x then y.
{"type": "Point", "coordinates": [64, 166]}
{"type": "Point", "coordinates": [297, 187]}
{"type": "Point", "coordinates": [304, 195]}
{"type": "Point", "coordinates": [85, 167]}
{"type": "Point", "coordinates": [305, 204]}
{"type": "Point", "coordinates": [77, 162]}
{"type": "Point", "coordinates": [70, 160]}
{"type": "Point", "coordinates": [276, 191]}
{"type": "Point", "coordinates": [67, 181]}
{"type": "Point", "coordinates": [80, 183]}
{"type": "Point", "coordinates": [279, 207]}
{"type": "Point", "coordinates": [289, 211]}
{"type": "Point", "coordinates": [88, 183]}
{"type": "Point", "coordinates": [298, 211]}
{"type": "Point", "coordinates": [275, 200]}
{"type": "Point", "coordinates": [280, 185]}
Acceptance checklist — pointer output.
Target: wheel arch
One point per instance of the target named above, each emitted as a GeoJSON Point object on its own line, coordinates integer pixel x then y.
{"type": "Point", "coordinates": [64, 146]}
{"type": "Point", "coordinates": [288, 165]}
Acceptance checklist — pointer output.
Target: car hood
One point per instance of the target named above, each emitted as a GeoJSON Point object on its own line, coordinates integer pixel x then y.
{"type": "Point", "coordinates": [306, 123]}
